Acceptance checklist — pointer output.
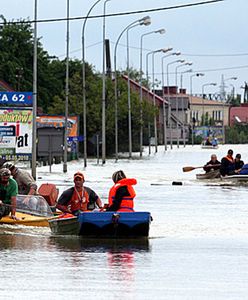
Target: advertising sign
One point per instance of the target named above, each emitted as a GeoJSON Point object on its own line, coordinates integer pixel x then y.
{"type": "Point", "coordinates": [16, 134]}
{"type": "Point", "coordinates": [210, 132]}
{"type": "Point", "coordinates": [16, 98]}
{"type": "Point", "coordinates": [58, 122]}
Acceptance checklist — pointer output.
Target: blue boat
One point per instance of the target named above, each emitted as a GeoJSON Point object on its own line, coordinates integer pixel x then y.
{"type": "Point", "coordinates": [104, 225]}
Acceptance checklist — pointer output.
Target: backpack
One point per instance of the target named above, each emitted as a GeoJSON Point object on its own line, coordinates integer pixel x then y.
{"type": "Point", "coordinates": [244, 170]}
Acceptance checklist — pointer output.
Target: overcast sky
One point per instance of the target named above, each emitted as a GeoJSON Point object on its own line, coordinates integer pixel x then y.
{"type": "Point", "coordinates": [213, 36]}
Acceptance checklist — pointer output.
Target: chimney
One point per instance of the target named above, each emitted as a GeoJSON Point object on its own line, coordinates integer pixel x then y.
{"type": "Point", "coordinates": [171, 89]}
{"type": "Point", "coordinates": [182, 91]}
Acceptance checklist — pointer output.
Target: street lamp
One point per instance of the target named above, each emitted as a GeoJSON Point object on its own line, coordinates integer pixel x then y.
{"type": "Point", "coordinates": [181, 86]}
{"type": "Point", "coordinates": [223, 94]}
{"type": "Point", "coordinates": [203, 113]}
{"type": "Point", "coordinates": [66, 88]}
{"type": "Point", "coordinates": [182, 65]}
{"type": "Point", "coordinates": [164, 50]}
{"type": "Point", "coordinates": [103, 89]}
{"type": "Point", "coordinates": [34, 136]}
{"type": "Point", "coordinates": [191, 95]}
{"type": "Point", "coordinates": [163, 95]}
{"type": "Point", "coordinates": [161, 31]}
{"type": "Point", "coordinates": [84, 84]}
{"type": "Point", "coordinates": [144, 21]}
{"type": "Point", "coordinates": [167, 68]}
{"type": "Point", "coordinates": [181, 76]}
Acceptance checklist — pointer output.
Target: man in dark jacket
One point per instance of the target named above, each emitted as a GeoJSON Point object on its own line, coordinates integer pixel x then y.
{"type": "Point", "coordinates": [227, 164]}
{"type": "Point", "coordinates": [238, 163]}
{"type": "Point", "coordinates": [213, 164]}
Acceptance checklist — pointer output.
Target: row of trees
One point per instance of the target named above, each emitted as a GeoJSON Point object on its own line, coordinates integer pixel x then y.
{"type": "Point", "coordinates": [16, 68]}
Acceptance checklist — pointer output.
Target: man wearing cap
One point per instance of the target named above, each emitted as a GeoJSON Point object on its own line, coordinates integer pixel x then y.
{"type": "Point", "coordinates": [227, 164]}
{"type": "Point", "coordinates": [8, 192]}
{"type": "Point", "coordinates": [78, 198]}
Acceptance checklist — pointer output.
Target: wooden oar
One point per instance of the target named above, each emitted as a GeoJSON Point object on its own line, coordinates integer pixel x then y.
{"type": "Point", "coordinates": [188, 169]}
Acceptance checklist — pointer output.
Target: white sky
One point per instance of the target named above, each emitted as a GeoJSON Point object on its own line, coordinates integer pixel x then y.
{"type": "Point", "coordinates": [212, 30]}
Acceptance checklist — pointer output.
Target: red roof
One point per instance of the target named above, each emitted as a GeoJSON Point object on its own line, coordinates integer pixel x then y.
{"type": "Point", "coordinates": [146, 93]}
{"type": "Point", "coordinates": [238, 115]}
{"type": "Point", "coordinates": [5, 87]}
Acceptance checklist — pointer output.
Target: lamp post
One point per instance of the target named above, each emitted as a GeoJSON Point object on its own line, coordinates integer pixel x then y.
{"type": "Point", "coordinates": [103, 88]}
{"type": "Point", "coordinates": [143, 21]}
{"type": "Point", "coordinates": [163, 83]}
{"type": "Point", "coordinates": [181, 76]}
{"type": "Point", "coordinates": [154, 100]}
{"type": "Point", "coordinates": [233, 91]}
{"type": "Point", "coordinates": [161, 31]}
{"type": "Point", "coordinates": [147, 79]}
{"type": "Point", "coordinates": [84, 83]}
{"type": "Point", "coordinates": [34, 136]}
{"type": "Point", "coordinates": [223, 95]}
{"type": "Point", "coordinates": [182, 65]}
{"type": "Point", "coordinates": [203, 113]}
{"type": "Point", "coordinates": [191, 96]}
{"type": "Point", "coordinates": [181, 86]}
{"type": "Point", "coordinates": [66, 87]}
{"type": "Point", "coordinates": [167, 68]}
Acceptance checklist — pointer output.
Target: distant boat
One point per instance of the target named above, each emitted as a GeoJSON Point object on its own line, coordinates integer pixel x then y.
{"type": "Point", "coordinates": [203, 146]}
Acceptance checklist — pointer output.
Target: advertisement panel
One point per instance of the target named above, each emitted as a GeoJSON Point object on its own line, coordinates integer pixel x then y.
{"type": "Point", "coordinates": [57, 122]}
{"type": "Point", "coordinates": [16, 134]}
{"type": "Point", "coordinates": [211, 132]}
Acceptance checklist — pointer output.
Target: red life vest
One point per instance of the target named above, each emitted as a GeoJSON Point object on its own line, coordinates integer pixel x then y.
{"type": "Point", "coordinates": [79, 200]}
{"type": "Point", "coordinates": [127, 201]}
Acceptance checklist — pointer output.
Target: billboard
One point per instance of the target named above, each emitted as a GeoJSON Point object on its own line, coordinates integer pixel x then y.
{"type": "Point", "coordinates": [58, 122]}
{"type": "Point", "coordinates": [210, 132]}
{"type": "Point", "coordinates": [16, 133]}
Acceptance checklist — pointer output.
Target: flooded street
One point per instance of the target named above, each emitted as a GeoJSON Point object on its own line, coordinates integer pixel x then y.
{"type": "Point", "coordinates": [198, 245]}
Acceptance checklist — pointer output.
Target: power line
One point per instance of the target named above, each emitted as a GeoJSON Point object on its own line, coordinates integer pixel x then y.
{"type": "Point", "coordinates": [216, 55]}
{"type": "Point", "coordinates": [117, 14]}
{"type": "Point", "coordinates": [213, 70]}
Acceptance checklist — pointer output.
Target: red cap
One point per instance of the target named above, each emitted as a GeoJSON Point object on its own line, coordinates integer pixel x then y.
{"type": "Point", "coordinates": [79, 175]}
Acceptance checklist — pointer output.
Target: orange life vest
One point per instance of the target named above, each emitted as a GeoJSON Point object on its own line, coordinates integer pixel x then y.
{"type": "Point", "coordinates": [79, 200]}
{"type": "Point", "coordinates": [127, 201]}
{"type": "Point", "coordinates": [229, 159]}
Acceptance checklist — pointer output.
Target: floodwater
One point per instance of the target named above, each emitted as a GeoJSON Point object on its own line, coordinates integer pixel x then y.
{"type": "Point", "coordinates": [198, 245]}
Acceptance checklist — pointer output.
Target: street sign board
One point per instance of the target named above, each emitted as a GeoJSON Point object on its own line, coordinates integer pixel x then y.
{"type": "Point", "coordinates": [16, 98]}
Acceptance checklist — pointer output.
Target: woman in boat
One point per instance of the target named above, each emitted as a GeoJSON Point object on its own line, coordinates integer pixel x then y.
{"type": "Point", "coordinates": [121, 194]}
{"type": "Point", "coordinates": [8, 192]}
{"type": "Point", "coordinates": [227, 164]}
{"type": "Point", "coordinates": [238, 163]}
{"type": "Point", "coordinates": [79, 197]}
{"type": "Point", "coordinates": [212, 165]}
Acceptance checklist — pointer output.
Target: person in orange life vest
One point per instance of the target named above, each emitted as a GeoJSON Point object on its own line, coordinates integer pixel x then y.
{"type": "Point", "coordinates": [227, 164]}
{"type": "Point", "coordinates": [78, 198]}
{"type": "Point", "coordinates": [121, 194]}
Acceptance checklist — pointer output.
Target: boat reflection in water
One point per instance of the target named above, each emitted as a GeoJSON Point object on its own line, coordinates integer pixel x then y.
{"type": "Point", "coordinates": [75, 243]}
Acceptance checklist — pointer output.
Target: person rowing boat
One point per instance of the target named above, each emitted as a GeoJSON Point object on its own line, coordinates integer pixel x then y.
{"type": "Point", "coordinates": [212, 165]}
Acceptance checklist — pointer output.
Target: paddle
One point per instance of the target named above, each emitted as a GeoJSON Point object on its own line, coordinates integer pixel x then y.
{"type": "Point", "coordinates": [188, 169]}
